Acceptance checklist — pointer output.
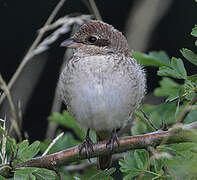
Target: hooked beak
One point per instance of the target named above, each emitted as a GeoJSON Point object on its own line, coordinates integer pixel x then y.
{"type": "Point", "coordinates": [72, 43]}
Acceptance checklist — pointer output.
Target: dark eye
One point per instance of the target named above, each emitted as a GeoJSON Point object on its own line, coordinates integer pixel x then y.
{"type": "Point", "coordinates": [92, 39]}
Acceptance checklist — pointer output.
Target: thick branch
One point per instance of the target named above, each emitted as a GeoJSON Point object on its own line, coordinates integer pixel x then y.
{"type": "Point", "coordinates": [179, 133]}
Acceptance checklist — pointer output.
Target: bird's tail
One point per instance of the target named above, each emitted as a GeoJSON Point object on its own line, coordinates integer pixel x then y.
{"type": "Point", "coordinates": [105, 161]}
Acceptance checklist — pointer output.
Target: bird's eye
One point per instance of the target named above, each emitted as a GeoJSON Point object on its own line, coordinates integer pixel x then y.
{"type": "Point", "coordinates": [92, 39]}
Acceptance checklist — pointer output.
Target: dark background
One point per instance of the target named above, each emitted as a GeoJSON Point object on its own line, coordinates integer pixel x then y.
{"type": "Point", "coordinates": [20, 21]}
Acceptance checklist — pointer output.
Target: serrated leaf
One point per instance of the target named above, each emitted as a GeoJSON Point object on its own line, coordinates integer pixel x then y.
{"type": "Point", "coordinates": [154, 58]}
{"type": "Point", "coordinates": [24, 174]}
{"type": "Point", "coordinates": [2, 178]}
{"type": "Point", "coordinates": [66, 120]}
{"type": "Point", "coordinates": [193, 78]}
{"type": "Point", "coordinates": [103, 174]}
{"type": "Point", "coordinates": [34, 174]}
{"type": "Point", "coordinates": [189, 55]}
{"type": "Point", "coordinates": [22, 146]}
{"type": "Point", "coordinates": [177, 69]}
{"type": "Point", "coordinates": [44, 174]}
{"type": "Point", "coordinates": [28, 152]}
{"type": "Point", "coordinates": [164, 112]}
{"type": "Point", "coordinates": [128, 164]}
{"type": "Point", "coordinates": [64, 142]}
{"type": "Point", "coordinates": [141, 158]}
{"type": "Point", "coordinates": [194, 31]}
{"type": "Point", "coordinates": [169, 88]}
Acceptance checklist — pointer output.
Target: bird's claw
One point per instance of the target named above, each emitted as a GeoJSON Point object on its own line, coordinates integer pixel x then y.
{"type": "Point", "coordinates": [87, 144]}
{"type": "Point", "coordinates": [113, 138]}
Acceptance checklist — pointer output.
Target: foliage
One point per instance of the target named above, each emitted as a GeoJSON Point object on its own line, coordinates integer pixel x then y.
{"type": "Point", "coordinates": [171, 162]}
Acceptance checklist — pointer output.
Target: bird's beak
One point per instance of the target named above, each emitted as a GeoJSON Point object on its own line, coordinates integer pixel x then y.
{"type": "Point", "coordinates": [72, 43]}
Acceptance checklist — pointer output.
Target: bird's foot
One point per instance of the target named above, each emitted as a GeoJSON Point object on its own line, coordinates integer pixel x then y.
{"type": "Point", "coordinates": [113, 138]}
{"type": "Point", "coordinates": [87, 144]}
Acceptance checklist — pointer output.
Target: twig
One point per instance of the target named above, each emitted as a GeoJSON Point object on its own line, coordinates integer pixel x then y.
{"type": "Point", "coordinates": [187, 110]}
{"type": "Point", "coordinates": [29, 54]}
{"type": "Point", "coordinates": [95, 9]}
{"type": "Point", "coordinates": [65, 22]}
{"type": "Point", "coordinates": [3, 148]}
{"type": "Point", "coordinates": [181, 133]}
{"type": "Point", "coordinates": [149, 121]}
{"type": "Point", "coordinates": [52, 143]}
{"type": "Point", "coordinates": [5, 89]}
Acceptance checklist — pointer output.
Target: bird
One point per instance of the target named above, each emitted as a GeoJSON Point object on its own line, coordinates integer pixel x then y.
{"type": "Point", "coordinates": [102, 85]}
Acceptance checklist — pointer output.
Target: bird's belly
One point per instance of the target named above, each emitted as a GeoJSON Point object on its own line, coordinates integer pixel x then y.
{"type": "Point", "coordinates": [101, 105]}
{"type": "Point", "coordinates": [101, 93]}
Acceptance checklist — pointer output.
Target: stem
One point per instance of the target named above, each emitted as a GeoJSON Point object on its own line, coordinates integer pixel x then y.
{"type": "Point", "coordinates": [187, 110]}
{"type": "Point", "coordinates": [30, 54]}
{"type": "Point", "coordinates": [181, 133]}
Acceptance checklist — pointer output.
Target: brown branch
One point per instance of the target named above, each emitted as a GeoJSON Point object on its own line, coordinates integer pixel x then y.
{"type": "Point", "coordinates": [179, 133]}
{"type": "Point", "coordinates": [187, 110]}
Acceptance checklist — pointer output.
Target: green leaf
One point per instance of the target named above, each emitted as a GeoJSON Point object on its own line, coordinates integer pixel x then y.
{"type": "Point", "coordinates": [189, 55]}
{"type": "Point", "coordinates": [194, 31]}
{"type": "Point", "coordinates": [128, 164]}
{"type": "Point", "coordinates": [177, 69]}
{"type": "Point", "coordinates": [64, 142]}
{"type": "Point", "coordinates": [134, 163]}
{"type": "Point", "coordinates": [154, 58]}
{"type": "Point", "coordinates": [164, 112]}
{"type": "Point", "coordinates": [26, 152]}
{"type": "Point", "coordinates": [11, 142]}
{"type": "Point", "coordinates": [66, 120]}
{"type": "Point", "coordinates": [2, 178]}
{"type": "Point", "coordinates": [141, 158]}
{"type": "Point", "coordinates": [158, 165]}
{"type": "Point", "coordinates": [103, 174]}
{"type": "Point", "coordinates": [169, 88]}
{"type": "Point", "coordinates": [192, 78]}
{"type": "Point", "coordinates": [34, 174]}
{"type": "Point", "coordinates": [183, 161]}
{"type": "Point", "coordinates": [44, 174]}
{"type": "Point", "coordinates": [24, 174]}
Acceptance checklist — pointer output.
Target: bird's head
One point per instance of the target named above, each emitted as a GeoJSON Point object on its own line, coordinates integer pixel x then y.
{"type": "Point", "coordinates": [97, 38]}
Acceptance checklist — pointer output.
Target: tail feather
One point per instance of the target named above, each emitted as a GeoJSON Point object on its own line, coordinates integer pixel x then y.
{"type": "Point", "coordinates": [105, 161]}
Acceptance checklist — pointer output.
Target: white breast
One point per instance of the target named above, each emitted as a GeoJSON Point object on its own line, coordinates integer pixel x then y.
{"type": "Point", "coordinates": [102, 91]}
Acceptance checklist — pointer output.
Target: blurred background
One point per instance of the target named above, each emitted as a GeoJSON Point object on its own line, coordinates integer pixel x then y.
{"type": "Point", "coordinates": [148, 25]}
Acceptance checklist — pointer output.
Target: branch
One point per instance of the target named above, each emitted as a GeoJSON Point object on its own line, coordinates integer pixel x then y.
{"type": "Point", "coordinates": [179, 133]}
{"type": "Point", "coordinates": [187, 109]}
{"type": "Point", "coordinates": [29, 54]}
{"type": "Point", "coordinates": [95, 9]}
{"type": "Point", "coordinates": [7, 93]}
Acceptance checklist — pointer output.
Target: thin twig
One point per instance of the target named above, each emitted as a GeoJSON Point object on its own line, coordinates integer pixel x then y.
{"type": "Point", "coordinates": [29, 54]}
{"type": "Point", "coordinates": [149, 121]}
{"type": "Point", "coordinates": [187, 110]}
{"type": "Point", "coordinates": [5, 88]}
{"type": "Point", "coordinates": [65, 23]}
{"type": "Point", "coordinates": [174, 135]}
{"type": "Point", "coordinates": [3, 149]}
{"type": "Point", "coordinates": [52, 143]}
{"type": "Point", "coordinates": [95, 10]}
